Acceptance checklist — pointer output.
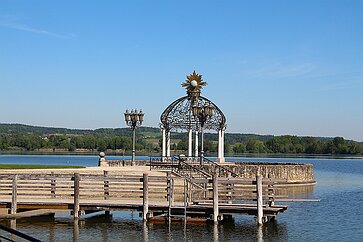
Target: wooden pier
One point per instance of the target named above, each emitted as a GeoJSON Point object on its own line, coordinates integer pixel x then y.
{"type": "Point", "coordinates": [214, 199]}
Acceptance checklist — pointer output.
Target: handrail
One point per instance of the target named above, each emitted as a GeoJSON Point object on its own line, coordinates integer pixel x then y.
{"type": "Point", "coordinates": [220, 167]}
{"type": "Point", "coordinates": [201, 172]}
{"type": "Point", "coordinates": [174, 162]}
{"type": "Point", "coordinates": [18, 233]}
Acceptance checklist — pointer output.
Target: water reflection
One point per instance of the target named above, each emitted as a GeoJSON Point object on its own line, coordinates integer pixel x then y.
{"type": "Point", "coordinates": [145, 232]}
{"type": "Point", "coordinates": [295, 191]}
{"type": "Point", "coordinates": [260, 234]}
{"type": "Point", "coordinates": [75, 230]}
{"type": "Point", "coordinates": [215, 232]}
{"type": "Point", "coordinates": [103, 228]}
{"type": "Point", "coordinates": [12, 224]}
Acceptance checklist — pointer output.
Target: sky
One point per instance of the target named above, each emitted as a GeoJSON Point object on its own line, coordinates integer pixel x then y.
{"type": "Point", "coordinates": [273, 67]}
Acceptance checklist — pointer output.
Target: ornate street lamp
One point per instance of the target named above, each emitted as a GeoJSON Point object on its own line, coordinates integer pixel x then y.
{"type": "Point", "coordinates": [133, 119]}
{"type": "Point", "coordinates": [202, 114]}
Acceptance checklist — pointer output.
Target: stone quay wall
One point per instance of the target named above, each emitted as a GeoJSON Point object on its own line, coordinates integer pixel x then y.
{"type": "Point", "coordinates": [119, 163]}
{"type": "Point", "coordinates": [291, 172]}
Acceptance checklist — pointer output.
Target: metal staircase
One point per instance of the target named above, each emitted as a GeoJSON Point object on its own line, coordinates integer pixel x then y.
{"type": "Point", "coordinates": [191, 167]}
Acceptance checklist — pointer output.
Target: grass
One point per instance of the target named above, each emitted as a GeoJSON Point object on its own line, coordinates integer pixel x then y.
{"type": "Point", "coordinates": [22, 166]}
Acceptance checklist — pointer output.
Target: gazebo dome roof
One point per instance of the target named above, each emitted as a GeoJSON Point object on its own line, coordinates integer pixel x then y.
{"type": "Point", "coordinates": [179, 116]}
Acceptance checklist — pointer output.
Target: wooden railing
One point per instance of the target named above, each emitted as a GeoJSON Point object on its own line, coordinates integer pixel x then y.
{"type": "Point", "coordinates": [143, 191]}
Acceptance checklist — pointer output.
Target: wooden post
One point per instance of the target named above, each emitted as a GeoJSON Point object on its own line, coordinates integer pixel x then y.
{"type": "Point", "coordinates": [145, 197]}
{"type": "Point", "coordinates": [271, 192]}
{"type": "Point", "coordinates": [77, 179]}
{"type": "Point", "coordinates": [14, 197]}
{"type": "Point", "coordinates": [171, 195]}
{"type": "Point", "coordinates": [106, 186]}
{"type": "Point", "coordinates": [52, 185]}
{"type": "Point", "coordinates": [229, 188]}
{"type": "Point", "coordinates": [172, 192]}
{"type": "Point", "coordinates": [185, 198]}
{"type": "Point", "coordinates": [189, 193]}
{"type": "Point", "coordinates": [259, 199]}
{"type": "Point", "coordinates": [205, 190]}
{"type": "Point", "coordinates": [168, 175]}
{"type": "Point", "coordinates": [215, 198]}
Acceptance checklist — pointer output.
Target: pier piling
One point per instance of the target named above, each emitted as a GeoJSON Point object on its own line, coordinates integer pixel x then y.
{"type": "Point", "coordinates": [215, 198]}
{"type": "Point", "coordinates": [106, 185]}
{"type": "Point", "coordinates": [77, 179]}
{"type": "Point", "coordinates": [145, 197]}
{"type": "Point", "coordinates": [259, 199]}
{"type": "Point", "coordinates": [14, 197]}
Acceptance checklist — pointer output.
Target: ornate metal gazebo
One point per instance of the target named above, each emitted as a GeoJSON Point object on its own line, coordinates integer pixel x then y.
{"type": "Point", "coordinates": [194, 114]}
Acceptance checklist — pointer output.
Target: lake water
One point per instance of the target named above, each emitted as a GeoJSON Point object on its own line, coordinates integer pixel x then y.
{"type": "Point", "coordinates": [337, 217]}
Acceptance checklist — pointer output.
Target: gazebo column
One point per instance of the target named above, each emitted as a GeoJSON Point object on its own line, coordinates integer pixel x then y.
{"type": "Point", "coordinates": [221, 145]}
{"type": "Point", "coordinates": [163, 147]}
{"type": "Point", "coordinates": [190, 143]}
{"type": "Point", "coordinates": [196, 144]}
{"type": "Point", "coordinates": [168, 144]}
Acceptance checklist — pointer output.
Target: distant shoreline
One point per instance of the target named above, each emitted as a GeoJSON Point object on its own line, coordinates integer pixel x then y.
{"type": "Point", "coordinates": [126, 154]}
{"type": "Point", "coordinates": [87, 153]}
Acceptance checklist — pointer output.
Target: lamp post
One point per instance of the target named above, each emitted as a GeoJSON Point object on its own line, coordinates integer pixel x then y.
{"type": "Point", "coordinates": [202, 114]}
{"type": "Point", "coordinates": [133, 119]}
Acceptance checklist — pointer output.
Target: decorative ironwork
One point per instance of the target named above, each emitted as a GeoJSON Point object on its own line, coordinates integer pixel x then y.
{"type": "Point", "coordinates": [179, 115]}
{"type": "Point", "coordinates": [194, 84]}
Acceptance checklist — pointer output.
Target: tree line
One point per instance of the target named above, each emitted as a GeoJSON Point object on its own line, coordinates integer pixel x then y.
{"type": "Point", "coordinates": [37, 130]}
{"type": "Point", "coordinates": [299, 145]}
{"type": "Point", "coordinates": [31, 142]}
{"type": "Point", "coordinates": [25, 137]}
{"type": "Point", "coordinates": [285, 144]}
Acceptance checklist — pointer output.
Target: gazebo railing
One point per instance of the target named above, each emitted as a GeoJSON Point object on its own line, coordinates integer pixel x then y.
{"type": "Point", "coordinates": [163, 162]}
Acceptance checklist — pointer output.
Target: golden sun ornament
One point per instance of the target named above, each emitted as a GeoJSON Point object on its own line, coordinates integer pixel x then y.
{"type": "Point", "coordinates": [194, 82]}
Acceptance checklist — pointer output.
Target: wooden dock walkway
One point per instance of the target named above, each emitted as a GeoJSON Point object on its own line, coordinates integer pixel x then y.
{"type": "Point", "coordinates": [27, 214]}
{"type": "Point", "coordinates": [34, 195]}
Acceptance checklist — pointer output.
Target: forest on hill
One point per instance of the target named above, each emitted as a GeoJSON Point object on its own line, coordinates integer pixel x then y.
{"type": "Point", "coordinates": [19, 137]}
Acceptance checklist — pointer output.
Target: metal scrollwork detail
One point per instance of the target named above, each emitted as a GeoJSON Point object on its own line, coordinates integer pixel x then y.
{"type": "Point", "coordinates": [179, 115]}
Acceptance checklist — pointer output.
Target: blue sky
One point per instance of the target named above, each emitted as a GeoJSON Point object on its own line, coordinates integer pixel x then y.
{"type": "Point", "coordinates": [273, 67]}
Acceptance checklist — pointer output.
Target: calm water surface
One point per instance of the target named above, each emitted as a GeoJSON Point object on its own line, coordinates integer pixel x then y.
{"type": "Point", "coordinates": [337, 217]}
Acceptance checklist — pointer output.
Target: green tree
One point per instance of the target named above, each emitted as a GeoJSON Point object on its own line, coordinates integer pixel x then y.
{"type": "Point", "coordinates": [183, 145]}
{"type": "Point", "coordinates": [255, 146]}
{"type": "Point", "coordinates": [239, 148]}
{"type": "Point", "coordinates": [312, 145]}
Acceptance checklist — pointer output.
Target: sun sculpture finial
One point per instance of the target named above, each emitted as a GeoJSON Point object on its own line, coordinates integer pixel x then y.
{"type": "Point", "coordinates": [194, 84]}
